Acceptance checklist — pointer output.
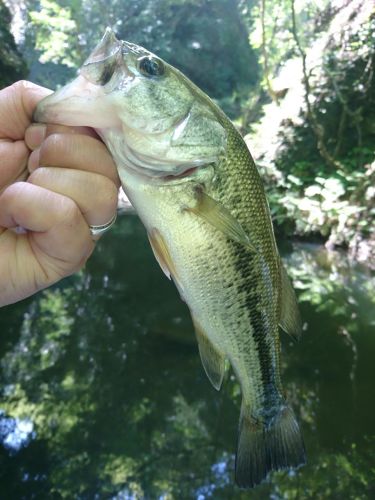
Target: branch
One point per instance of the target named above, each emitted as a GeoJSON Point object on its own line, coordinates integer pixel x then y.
{"type": "Point", "coordinates": [311, 116]}
{"type": "Point", "coordinates": [271, 92]}
{"type": "Point", "coordinates": [356, 114]}
{"type": "Point", "coordinates": [340, 132]}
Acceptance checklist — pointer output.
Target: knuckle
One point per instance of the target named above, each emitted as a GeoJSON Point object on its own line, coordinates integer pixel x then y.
{"type": "Point", "coordinates": [13, 198]}
{"type": "Point", "coordinates": [20, 86]}
{"type": "Point", "coordinates": [108, 195]}
{"type": "Point", "coordinates": [14, 191]}
{"type": "Point", "coordinates": [112, 195]}
{"type": "Point", "coordinates": [70, 214]}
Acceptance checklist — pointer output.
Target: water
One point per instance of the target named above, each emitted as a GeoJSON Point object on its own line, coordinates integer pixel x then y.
{"type": "Point", "coordinates": [103, 394]}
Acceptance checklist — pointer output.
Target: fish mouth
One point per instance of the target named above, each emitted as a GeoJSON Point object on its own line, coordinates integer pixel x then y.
{"type": "Point", "coordinates": [83, 102]}
{"type": "Point", "coordinates": [75, 104]}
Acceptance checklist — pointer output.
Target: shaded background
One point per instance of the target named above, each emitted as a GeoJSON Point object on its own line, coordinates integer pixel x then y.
{"type": "Point", "coordinates": [102, 392]}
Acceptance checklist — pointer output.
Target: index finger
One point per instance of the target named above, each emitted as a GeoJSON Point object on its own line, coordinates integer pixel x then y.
{"type": "Point", "coordinates": [37, 132]}
{"type": "Point", "coordinates": [75, 151]}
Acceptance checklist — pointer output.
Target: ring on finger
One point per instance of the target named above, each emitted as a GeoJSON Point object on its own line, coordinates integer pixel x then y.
{"type": "Point", "coordinates": [103, 228]}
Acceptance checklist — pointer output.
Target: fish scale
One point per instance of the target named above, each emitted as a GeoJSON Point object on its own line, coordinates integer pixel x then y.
{"type": "Point", "coordinates": [191, 179]}
{"type": "Point", "coordinates": [195, 275]}
{"type": "Point", "coordinates": [244, 192]}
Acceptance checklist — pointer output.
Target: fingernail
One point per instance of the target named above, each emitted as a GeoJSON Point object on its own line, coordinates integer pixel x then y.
{"type": "Point", "coordinates": [35, 135]}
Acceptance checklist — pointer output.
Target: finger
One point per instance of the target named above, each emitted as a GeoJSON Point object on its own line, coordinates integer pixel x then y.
{"type": "Point", "coordinates": [60, 234]}
{"type": "Point", "coordinates": [13, 162]}
{"type": "Point", "coordinates": [76, 151]}
{"type": "Point", "coordinates": [35, 135]}
{"type": "Point", "coordinates": [17, 104]}
{"type": "Point", "coordinates": [94, 194]}
{"type": "Point", "coordinates": [37, 132]}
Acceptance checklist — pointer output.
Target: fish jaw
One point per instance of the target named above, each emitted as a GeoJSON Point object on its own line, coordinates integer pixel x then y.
{"type": "Point", "coordinates": [79, 103]}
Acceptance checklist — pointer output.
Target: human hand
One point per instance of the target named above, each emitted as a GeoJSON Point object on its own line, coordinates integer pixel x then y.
{"type": "Point", "coordinates": [55, 181]}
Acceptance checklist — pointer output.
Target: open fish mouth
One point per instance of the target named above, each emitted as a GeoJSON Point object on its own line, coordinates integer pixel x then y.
{"type": "Point", "coordinates": [76, 104]}
{"type": "Point", "coordinates": [84, 101]}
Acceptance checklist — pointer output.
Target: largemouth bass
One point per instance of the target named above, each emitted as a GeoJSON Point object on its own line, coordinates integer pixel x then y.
{"type": "Point", "coordinates": [193, 183]}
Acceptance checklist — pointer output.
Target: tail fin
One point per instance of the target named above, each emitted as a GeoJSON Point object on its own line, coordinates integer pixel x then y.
{"type": "Point", "coordinates": [278, 445]}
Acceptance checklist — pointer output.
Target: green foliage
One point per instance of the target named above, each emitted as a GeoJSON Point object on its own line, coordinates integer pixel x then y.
{"type": "Point", "coordinates": [325, 279]}
{"type": "Point", "coordinates": [12, 65]}
{"type": "Point", "coordinates": [55, 31]}
{"type": "Point", "coordinates": [321, 180]}
{"type": "Point", "coordinates": [334, 476]}
{"type": "Point", "coordinates": [274, 40]}
{"type": "Point", "coordinates": [338, 206]}
{"type": "Point", "coordinates": [206, 39]}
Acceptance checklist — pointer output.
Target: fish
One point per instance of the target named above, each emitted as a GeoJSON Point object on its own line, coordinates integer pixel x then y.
{"type": "Point", "coordinates": [192, 181]}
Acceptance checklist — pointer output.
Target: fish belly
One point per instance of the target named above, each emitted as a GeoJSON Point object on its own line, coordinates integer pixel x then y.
{"type": "Point", "coordinates": [213, 284]}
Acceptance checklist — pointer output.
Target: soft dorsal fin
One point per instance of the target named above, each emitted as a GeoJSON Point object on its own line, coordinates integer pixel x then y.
{"type": "Point", "coordinates": [212, 359]}
{"type": "Point", "coordinates": [220, 217]}
{"type": "Point", "coordinates": [290, 319]}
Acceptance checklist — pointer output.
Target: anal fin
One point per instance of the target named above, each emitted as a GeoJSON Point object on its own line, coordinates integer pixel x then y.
{"type": "Point", "coordinates": [212, 359]}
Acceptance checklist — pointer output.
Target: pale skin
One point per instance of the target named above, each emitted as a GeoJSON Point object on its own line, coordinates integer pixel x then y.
{"type": "Point", "coordinates": [55, 181]}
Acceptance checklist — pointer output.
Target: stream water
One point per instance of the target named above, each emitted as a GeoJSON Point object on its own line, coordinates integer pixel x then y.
{"type": "Point", "coordinates": [103, 394]}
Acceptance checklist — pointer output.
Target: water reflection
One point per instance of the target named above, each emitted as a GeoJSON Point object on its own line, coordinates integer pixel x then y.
{"type": "Point", "coordinates": [103, 386]}
{"type": "Point", "coordinates": [14, 432]}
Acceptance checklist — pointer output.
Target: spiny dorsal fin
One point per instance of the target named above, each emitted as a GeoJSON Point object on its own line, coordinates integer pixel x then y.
{"type": "Point", "coordinates": [290, 319]}
{"type": "Point", "coordinates": [219, 216]}
{"type": "Point", "coordinates": [212, 359]}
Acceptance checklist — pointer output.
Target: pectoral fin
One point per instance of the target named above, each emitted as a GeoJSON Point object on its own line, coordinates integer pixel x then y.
{"type": "Point", "coordinates": [213, 361]}
{"type": "Point", "coordinates": [219, 216]}
{"type": "Point", "coordinates": [290, 319]}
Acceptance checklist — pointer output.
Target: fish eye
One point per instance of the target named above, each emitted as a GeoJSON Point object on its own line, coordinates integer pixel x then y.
{"type": "Point", "coordinates": [107, 73]}
{"type": "Point", "coordinates": [151, 66]}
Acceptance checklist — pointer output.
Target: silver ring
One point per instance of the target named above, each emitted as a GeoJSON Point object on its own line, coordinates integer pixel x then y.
{"type": "Point", "coordinates": [99, 230]}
